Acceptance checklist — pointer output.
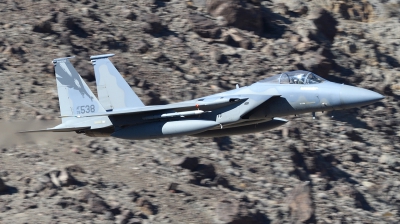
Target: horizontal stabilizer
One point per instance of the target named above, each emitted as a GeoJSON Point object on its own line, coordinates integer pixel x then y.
{"type": "Point", "coordinates": [57, 130]}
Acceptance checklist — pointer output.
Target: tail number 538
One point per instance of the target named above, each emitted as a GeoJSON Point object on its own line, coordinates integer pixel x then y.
{"type": "Point", "coordinates": [85, 109]}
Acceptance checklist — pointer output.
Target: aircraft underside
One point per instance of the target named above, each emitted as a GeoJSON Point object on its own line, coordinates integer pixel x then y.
{"type": "Point", "coordinates": [196, 128]}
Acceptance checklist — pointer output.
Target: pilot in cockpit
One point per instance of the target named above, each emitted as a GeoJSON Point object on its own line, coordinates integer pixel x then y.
{"type": "Point", "coordinates": [294, 77]}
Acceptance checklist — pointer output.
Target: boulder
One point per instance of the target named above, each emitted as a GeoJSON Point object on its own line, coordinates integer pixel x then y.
{"type": "Point", "coordinates": [85, 73]}
{"type": "Point", "coordinates": [227, 210]}
{"type": "Point", "coordinates": [3, 206]}
{"type": "Point", "coordinates": [235, 38]}
{"type": "Point", "coordinates": [217, 56]}
{"type": "Point", "coordinates": [135, 221]}
{"type": "Point", "coordinates": [38, 187]}
{"type": "Point", "coordinates": [26, 204]}
{"type": "Point", "coordinates": [354, 135]}
{"type": "Point", "coordinates": [134, 195]}
{"type": "Point", "coordinates": [235, 212]}
{"type": "Point", "coordinates": [387, 159]}
{"type": "Point", "coordinates": [362, 11]}
{"type": "Point", "coordinates": [146, 206]}
{"type": "Point", "coordinates": [281, 8]}
{"type": "Point", "coordinates": [128, 14]}
{"type": "Point", "coordinates": [74, 169]}
{"type": "Point", "coordinates": [64, 38]}
{"type": "Point", "coordinates": [189, 163]}
{"type": "Point", "coordinates": [298, 7]}
{"type": "Point", "coordinates": [153, 24]}
{"type": "Point", "coordinates": [75, 25]}
{"type": "Point", "coordinates": [205, 171]}
{"type": "Point", "coordinates": [238, 13]}
{"type": "Point", "coordinates": [43, 26]}
{"type": "Point", "coordinates": [203, 26]}
{"type": "Point", "coordinates": [90, 13]}
{"type": "Point", "coordinates": [85, 195]}
{"type": "Point", "coordinates": [65, 202]}
{"type": "Point", "coordinates": [325, 23]}
{"type": "Point", "coordinates": [140, 46]}
{"type": "Point", "coordinates": [124, 217]}
{"type": "Point", "coordinates": [65, 178]}
{"type": "Point", "coordinates": [3, 186]}
{"type": "Point", "coordinates": [115, 43]}
{"type": "Point", "coordinates": [58, 178]}
{"type": "Point", "coordinates": [300, 203]}
{"type": "Point", "coordinates": [316, 62]}
{"type": "Point", "coordinates": [95, 202]}
{"type": "Point", "coordinates": [54, 179]}
{"type": "Point", "coordinates": [196, 4]}
{"type": "Point", "coordinates": [98, 205]}
{"type": "Point", "coordinates": [16, 50]}
{"type": "Point", "coordinates": [205, 175]}
{"type": "Point", "coordinates": [349, 191]}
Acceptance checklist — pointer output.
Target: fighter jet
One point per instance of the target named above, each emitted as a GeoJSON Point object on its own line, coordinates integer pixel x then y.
{"type": "Point", "coordinates": [118, 111]}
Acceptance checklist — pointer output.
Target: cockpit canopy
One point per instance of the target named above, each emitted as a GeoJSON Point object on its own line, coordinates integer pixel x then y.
{"type": "Point", "coordinates": [294, 77]}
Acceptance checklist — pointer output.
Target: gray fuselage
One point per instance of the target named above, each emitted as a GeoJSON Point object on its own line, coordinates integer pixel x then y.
{"type": "Point", "coordinates": [241, 116]}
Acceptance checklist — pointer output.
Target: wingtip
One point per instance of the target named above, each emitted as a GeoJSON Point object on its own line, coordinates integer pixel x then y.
{"type": "Point", "coordinates": [60, 59]}
{"type": "Point", "coordinates": [101, 56]}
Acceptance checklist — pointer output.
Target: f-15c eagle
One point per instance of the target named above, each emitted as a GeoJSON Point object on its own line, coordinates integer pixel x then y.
{"type": "Point", "coordinates": [119, 112]}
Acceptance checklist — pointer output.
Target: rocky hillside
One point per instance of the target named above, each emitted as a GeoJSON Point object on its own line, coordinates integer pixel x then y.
{"type": "Point", "coordinates": [342, 167]}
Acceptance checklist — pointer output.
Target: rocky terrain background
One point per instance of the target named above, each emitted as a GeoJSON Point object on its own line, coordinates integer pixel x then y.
{"type": "Point", "coordinates": [342, 167]}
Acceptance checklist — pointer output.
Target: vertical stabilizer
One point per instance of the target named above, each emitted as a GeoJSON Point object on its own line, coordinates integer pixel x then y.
{"type": "Point", "coordinates": [113, 91]}
{"type": "Point", "coordinates": [74, 95]}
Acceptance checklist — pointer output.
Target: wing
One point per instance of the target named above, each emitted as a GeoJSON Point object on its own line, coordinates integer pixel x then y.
{"type": "Point", "coordinates": [205, 104]}
{"type": "Point", "coordinates": [57, 129]}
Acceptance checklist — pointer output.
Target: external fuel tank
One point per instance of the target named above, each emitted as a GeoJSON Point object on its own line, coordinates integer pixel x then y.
{"type": "Point", "coordinates": [163, 129]}
{"type": "Point", "coordinates": [246, 129]}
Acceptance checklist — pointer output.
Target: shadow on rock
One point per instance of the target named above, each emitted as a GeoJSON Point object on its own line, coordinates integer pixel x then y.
{"type": "Point", "coordinates": [312, 162]}
{"type": "Point", "coordinates": [238, 212]}
{"type": "Point", "coordinates": [301, 170]}
{"type": "Point", "coordinates": [5, 189]}
{"type": "Point", "coordinates": [272, 24]}
{"type": "Point", "coordinates": [75, 25]}
{"type": "Point", "coordinates": [146, 207]}
{"type": "Point", "coordinates": [346, 190]}
{"type": "Point", "coordinates": [350, 117]}
{"type": "Point", "coordinates": [205, 175]}
{"type": "Point", "coordinates": [9, 191]}
{"type": "Point", "coordinates": [224, 143]}
{"type": "Point", "coordinates": [153, 25]}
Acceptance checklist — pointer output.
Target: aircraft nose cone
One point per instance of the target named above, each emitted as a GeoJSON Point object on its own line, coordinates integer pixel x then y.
{"type": "Point", "coordinates": [355, 97]}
